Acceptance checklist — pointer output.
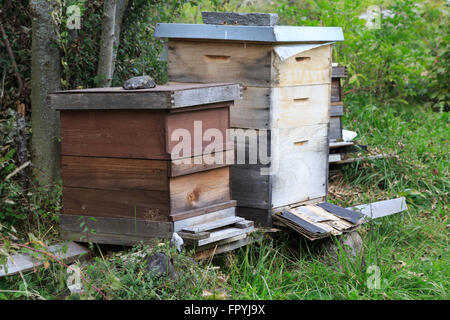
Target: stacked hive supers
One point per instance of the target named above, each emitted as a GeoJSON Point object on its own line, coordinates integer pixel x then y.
{"type": "Point", "coordinates": [336, 105]}
{"type": "Point", "coordinates": [123, 182]}
{"type": "Point", "coordinates": [286, 76]}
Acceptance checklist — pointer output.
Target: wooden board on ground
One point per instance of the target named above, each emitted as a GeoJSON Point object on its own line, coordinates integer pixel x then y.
{"type": "Point", "coordinates": [380, 209]}
{"type": "Point", "coordinates": [66, 252]}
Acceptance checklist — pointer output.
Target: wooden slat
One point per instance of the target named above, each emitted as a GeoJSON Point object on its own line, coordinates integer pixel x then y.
{"type": "Point", "coordinates": [253, 111]}
{"type": "Point", "coordinates": [200, 61]}
{"type": "Point", "coordinates": [140, 204]}
{"type": "Point", "coordinates": [212, 225]}
{"type": "Point", "coordinates": [339, 72]}
{"type": "Point", "coordinates": [223, 234]}
{"type": "Point", "coordinates": [261, 217]}
{"type": "Point", "coordinates": [106, 238]}
{"type": "Point", "coordinates": [161, 97]}
{"type": "Point", "coordinates": [336, 94]}
{"type": "Point", "coordinates": [336, 110]}
{"type": "Point", "coordinates": [335, 128]}
{"type": "Point", "coordinates": [200, 189]}
{"type": "Point", "coordinates": [66, 252]}
{"type": "Point", "coordinates": [380, 209]}
{"type": "Point", "coordinates": [114, 173]}
{"type": "Point", "coordinates": [222, 248]}
{"type": "Point", "coordinates": [244, 224]}
{"type": "Point", "coordinates": [180, 167]}
{"type": "Point", "coordinates": [122, 226]}
{"type": "Point", "coordinates": [209, 214]}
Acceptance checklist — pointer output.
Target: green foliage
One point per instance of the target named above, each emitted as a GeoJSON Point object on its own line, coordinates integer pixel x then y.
{"type": "Point", "coordinates": [396, 62]}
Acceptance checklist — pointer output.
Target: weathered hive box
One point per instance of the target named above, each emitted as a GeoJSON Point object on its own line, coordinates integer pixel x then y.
{"type": "Point", "coordinates": [123, 174]}
{"type": "Point", "coordinates": [286, 76]}
{"type": "Point", "coordinates": [336, 104]}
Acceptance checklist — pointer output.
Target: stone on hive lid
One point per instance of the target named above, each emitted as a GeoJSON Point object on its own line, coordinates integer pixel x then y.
{"type": "Point", "coordinates": [243, 19]}
{"type": "Point", "coordinates": [143, 82]}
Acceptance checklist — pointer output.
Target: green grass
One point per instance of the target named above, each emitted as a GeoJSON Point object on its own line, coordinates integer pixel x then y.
{"type": "Point", "coordinates": [410, 250]}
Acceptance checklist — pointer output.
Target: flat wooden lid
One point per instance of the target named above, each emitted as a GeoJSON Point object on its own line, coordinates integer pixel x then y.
{"type": "Point", "coordinates": [168, 96]}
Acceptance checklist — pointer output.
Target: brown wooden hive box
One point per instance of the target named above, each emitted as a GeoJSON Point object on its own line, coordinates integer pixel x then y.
{"type": "Point", "coordinates": [121, 173]}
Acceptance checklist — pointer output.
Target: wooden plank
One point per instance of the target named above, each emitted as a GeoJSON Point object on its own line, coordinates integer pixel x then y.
{"type": "Point", "coordinates": [186, 98]}
{"type": "Point", "coordinates": [336, 93]}
{"type": "Point", "coordinates": [222, 249]}
{"type": "Point", "coordinates": [220, 243]}
{"type": "Point", "coordinates": [66, 252]}
{"type": "Point", "coordinates": [380, 209]}
{"type": "Point", "coordinates": [161, 97]}
{"type": "Point", "coordinates": [302, 223]}
{"type": "Point", "coordinates": [123, 226]}
{"type": "Point", "coordinates": [366, 158]}
{"type": "Point", "coordinates": [106, 238]}
{"type": "Point", "coordinates": [336, 110]}
{"type": "Point", "coordinates": [190, 238]}
{"type": "Point", "coordinates": [114, 173]}
{"type": "Point", "coordinates": [116, 133]}
{"type": "Point", "coordinates": [253, 111]}
{"type": "Point", "coordinates": [199, 190]}
{"type": "Point", "coordinates": [205, 61]}
{"type": "Point", "coordinates": [197, 123]}
{"type": "Point", "coordinates": [341, 144]}
{"type": "Point", "coordinates": [299, 106]}
{"type": "Point", "coordinates": [335, 128]}
{"type": "Point", "coordinates": [244, 224]}
{"type": "Point", "coordinates": [180, 167]}
{"type": "Point", "coordinates": [223, 234]}
{"type": "Point", "coordinates": [214, 214]}
{"type": "Point", "coordinates": [339, 72]}
{"type": "Point", "coordinates": [139, 204]}
{"type": "Point", "coordinates": [249, 187]}
{"type": "Point", "coordinates": [308, 67]}
{"type": "Point", "coordinates": [212, 225]}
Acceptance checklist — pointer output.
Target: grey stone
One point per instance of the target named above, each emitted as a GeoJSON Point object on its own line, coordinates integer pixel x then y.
{"type": "Point", "coordinates": [159, 265]}
{"type": "Point", "coordinates": [344, 250]}
{"type": "Point", "coordinates": [142, 82]}
{"type": "Point", "coordinates": [244, 19]}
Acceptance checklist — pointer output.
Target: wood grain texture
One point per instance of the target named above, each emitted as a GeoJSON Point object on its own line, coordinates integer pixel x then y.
{"type": "Point", "coordinates": [115, 173]}
{"type": "Point", "coordinates": [169, 96]}
{"type": "Point", "coordinates": [299, 106]}
{"type": "Point", "coordinates": [123, 226]}
{"type": "Point", "coordinates": [114, 133]}
{"type": "Point", "coordinates": [139, 204]}
{"type": "Point", "coordinates": [179, 167]}
{"type": "Point", "coordinates": [142, 134]}
{"type": "Point", "coordinates": [253, 110]}
{"type": "Point", "coordinates": [336, 109]}
{"type": "Point", "coordinates": [339, 72]}
{"type": "Point", "coordinates": [301, 155]}
{"type": "Point", "coordinates": [335, 128]}
{"type": "Point", "coordinates": [308, 67]}
{"type": "Point", "coordinates": [199, 190]}
{"type": "Point", "coordinates": [212, 214]}
{"type": "Point", "coordinates": [201, 61]}
{"type": "Point", "coordinates": [336, 94]}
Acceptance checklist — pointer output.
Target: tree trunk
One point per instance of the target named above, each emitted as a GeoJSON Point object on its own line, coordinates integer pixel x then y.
{"type": "Point", "coordinates": [45, 78]}
{"type": "Point", "coordinates": [113, 11]}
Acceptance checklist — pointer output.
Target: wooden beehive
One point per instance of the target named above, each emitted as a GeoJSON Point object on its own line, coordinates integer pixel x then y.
{"type": "Point", "coordinates": [121, 173]}
{"type": "Point", "coordinates": [286, 77]}
{"type": "Point", "coordinates": [336, 105]}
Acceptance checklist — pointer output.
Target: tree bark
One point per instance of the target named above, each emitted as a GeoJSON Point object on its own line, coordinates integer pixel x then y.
{"type": "Point", "coordinates": [45, 78]}
{"type": "Point", "coordinates": [113, 11]}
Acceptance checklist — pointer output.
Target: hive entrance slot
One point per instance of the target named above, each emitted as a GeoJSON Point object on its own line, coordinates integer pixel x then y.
{"type": "Point", "coordinates": [301, 59]}
{"type": "Point", "coordinates": [217, 58]}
